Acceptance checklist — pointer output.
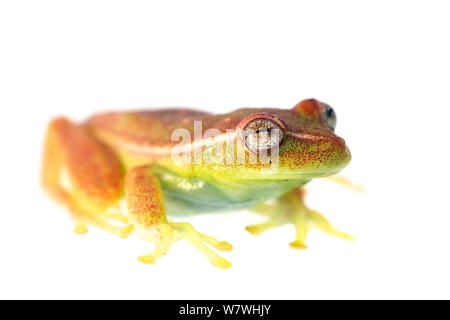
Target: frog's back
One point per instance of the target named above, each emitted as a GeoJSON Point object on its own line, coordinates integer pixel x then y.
{"type": "Point", "coordinates": [150, 131]}
{"type": "Point", "coordinates": [143, 128]}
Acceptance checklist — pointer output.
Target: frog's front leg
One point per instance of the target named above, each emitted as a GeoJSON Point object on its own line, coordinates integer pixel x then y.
{"type": "Point", "coordinates": [290, 208]}
{"type": "Point", "coordinates": [147, 212]}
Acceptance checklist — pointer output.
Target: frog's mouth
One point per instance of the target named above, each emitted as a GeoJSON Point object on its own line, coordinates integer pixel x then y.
{"type": "Point", "coordinates": [331, 164]}
{"type": "Point", "coordinates": [267, 175]}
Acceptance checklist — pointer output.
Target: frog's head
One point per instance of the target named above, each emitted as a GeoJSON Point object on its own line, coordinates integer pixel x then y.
{"type": "Point", "coordinates": [307, 146]}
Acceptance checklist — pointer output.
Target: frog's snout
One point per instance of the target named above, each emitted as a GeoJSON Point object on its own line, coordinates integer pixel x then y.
{"type": "Point", "coordinates": [339, 153]}
{"type": "Point", "coordinates": [343, 156]}
{"type": "Point", "coordinates": [348, 156]}
{"type": "Point", "coordinates": [331, 152]}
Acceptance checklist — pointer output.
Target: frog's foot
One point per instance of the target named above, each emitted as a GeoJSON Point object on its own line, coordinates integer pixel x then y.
{"type": "Point", "coordinates": [147, 212]}
{"type": "Point", "coordinates": [90, 216]}
{"type": "Point", "coordinates": [271, 222]}
{"type": "Point", "coordinates": [116, 216]}
{"type": "Point", "coordinates": [171, 232]}
{"type": "Point", "coordinates": [306, 218]}
{"type": "Point", "coordinates": [298, 214]}
{"type": "Point", "coordinates": [101, 222]}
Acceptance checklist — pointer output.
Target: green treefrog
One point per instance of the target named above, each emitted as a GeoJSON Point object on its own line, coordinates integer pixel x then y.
{"type": "Point", "coordinates": [139, 156]}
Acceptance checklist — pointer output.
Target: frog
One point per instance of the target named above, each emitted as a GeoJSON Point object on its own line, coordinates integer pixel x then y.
{"type": "Point", "coordinates": [129, 171]}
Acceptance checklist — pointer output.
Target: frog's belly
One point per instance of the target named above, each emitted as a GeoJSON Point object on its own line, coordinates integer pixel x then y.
{"type": "Point", "coordinates": [207, 199]}
{"type": "Point", "coordinates": [177, 206]}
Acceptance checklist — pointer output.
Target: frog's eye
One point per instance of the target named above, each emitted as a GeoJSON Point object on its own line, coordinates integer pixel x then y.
{"type": "Point", "coordinates": [262, 135]}
{"type": "Point", "coordinates": [328, 116]}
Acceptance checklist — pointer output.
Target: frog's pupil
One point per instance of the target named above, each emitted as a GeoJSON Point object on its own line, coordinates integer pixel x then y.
{"type": "Point", "coordinates": [269, 130]}
{"type": "Point", "coordinates": [330, 112]}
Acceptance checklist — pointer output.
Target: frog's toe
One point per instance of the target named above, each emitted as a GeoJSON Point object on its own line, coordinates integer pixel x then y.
{"type": "Point", "coordinates": [171, 232]}
{"type": "Point", "coordinates": [323, 224]}
{"type": "Point", "coordinates": [117, 216]}
{"type": "Point", "coordinates": [198, 240]}
{"type": "Point", "coordinates": [305, 218]}
{"type": "Point", "coordinates": [299, 245]}
{"type": "Point", "coordinates": [272, 222]}
{"type": "Point", "coordinates": [125, 231]}
{"type": "Point", "coordinates": [148, 259]}
{"type": "Point", "coordinates": [298, 215]}
{"type": "Point", "coordinates": [221, 263]}
{"type": "Point", "coordinates": [213, 242]}
{"type": "Point", "coordinates": [102, 223]}
{"type": "Point", "coordinates": [80, 228]}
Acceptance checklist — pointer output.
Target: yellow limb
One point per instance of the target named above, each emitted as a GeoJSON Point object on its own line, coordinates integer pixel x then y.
{"type": "Point", "coordinates": [291, 209]}
{"type": "Point", "coordinates": [147, 211]}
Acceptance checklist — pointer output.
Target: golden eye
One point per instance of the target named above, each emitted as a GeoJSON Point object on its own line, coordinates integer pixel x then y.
{"type": "Point", "coordinates": [262, 135]}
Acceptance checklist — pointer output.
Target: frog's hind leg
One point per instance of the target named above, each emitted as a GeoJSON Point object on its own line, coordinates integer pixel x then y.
{"type": "Point", "coordinates": [291, 209]}
{"type": "Point", "coordinates": [81, 173]}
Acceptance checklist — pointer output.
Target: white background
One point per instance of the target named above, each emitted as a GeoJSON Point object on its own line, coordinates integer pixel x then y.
{"type": "Point", "coordinates": [384, 66]}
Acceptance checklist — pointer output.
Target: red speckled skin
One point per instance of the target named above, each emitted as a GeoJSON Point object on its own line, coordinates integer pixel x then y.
{"type": "Point", "coordinates": [91, 166]}
{"type": "Point", "coordinates": [144, 197]}
{"type": "Point", "coordinates": [95, 171]}
{"type": "Point", "coordinates": [308, 148]}
{"type": "Point", "coordinates": [145, 128]}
